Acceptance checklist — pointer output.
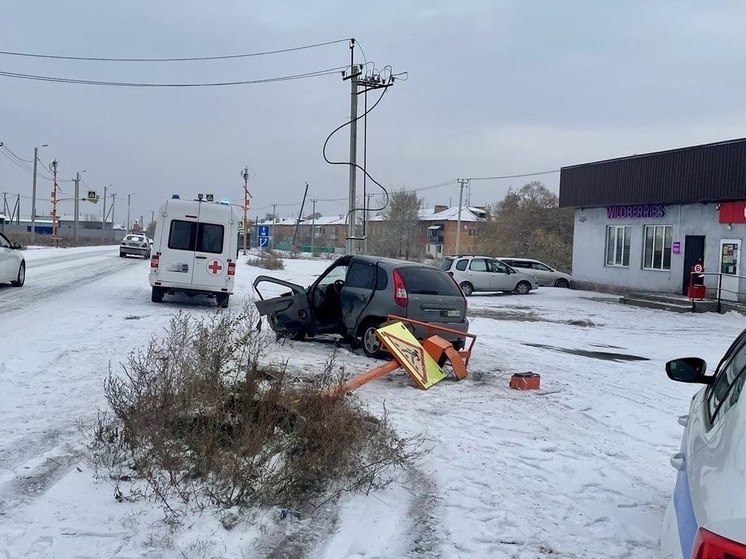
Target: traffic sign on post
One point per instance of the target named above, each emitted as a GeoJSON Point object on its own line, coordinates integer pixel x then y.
{"type": "Point", "coordinates": [263, 242]}
{"type": "Point", "coordinates": [240, 224]}
{"type": "Point", "coordinates": [264, 230]}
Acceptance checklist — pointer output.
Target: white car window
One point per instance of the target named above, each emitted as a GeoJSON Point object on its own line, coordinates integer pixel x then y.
{"type": "Point", "coordinates": [540, 266]}
{"type": "Point", "coordinates": [478, 265]}
{"type": "Point", "coordinates": [728, 385]}
{"type": "Point", "coordinates": [4, 242]}
{"type": "Point", "coordinates": [497, 266]}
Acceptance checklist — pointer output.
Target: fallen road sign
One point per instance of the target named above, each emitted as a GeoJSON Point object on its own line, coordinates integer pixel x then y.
{"type": "Point", "coordinates": [405, 348]}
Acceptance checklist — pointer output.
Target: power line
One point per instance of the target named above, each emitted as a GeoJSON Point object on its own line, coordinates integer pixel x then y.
{"type": "Point", "coordinates": [56, 79]}
{"type": "Point", "coordinates": [513, 176]}
{"type": "Point", "coordinates": [180, 59]}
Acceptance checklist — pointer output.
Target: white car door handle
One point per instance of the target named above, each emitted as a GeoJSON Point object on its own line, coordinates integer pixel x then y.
{"type": "Point", "coordinates": [678, 462]}
{"type": "Point", "coordinates": [683, 420]}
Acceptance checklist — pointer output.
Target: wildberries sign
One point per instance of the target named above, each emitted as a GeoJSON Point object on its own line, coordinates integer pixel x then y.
{"type": "Point", "coordinates": [641, 211]}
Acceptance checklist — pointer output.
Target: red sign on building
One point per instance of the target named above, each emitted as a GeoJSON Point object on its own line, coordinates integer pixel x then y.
{"type": "Point", "coordinates": [733, 212]}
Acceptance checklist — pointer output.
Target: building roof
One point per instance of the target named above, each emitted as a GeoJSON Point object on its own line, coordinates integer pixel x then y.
{"type": "Point", "coordinates": [471, 213]}
{"type": "Point", "coordinates": [323, 220]}
{"type": "Point", "coordinates": [705, 173]}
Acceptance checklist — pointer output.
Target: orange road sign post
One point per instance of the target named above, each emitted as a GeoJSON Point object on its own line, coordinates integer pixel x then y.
{"type": "Point", "coordinates": [422, 362]}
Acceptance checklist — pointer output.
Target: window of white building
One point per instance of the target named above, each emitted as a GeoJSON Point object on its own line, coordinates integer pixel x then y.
{"type": "Point", "coordinates": [657, 247]}
{"type": "Point", "coordinates": [617, 245]}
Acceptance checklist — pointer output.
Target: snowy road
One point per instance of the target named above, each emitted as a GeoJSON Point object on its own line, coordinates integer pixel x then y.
{"type": "Point", "coordinates": [578, 469]}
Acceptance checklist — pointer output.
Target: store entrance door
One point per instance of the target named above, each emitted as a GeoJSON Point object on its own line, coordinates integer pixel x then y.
{"type": "Point", "coordinates": [694, 249]}
{"type": "Point", "coordinates": [730, 266]}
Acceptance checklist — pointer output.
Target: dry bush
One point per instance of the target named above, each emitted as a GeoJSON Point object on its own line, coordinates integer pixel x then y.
{"type": "Point", "coordinates": [270, 260]}
{"type": "Point", "coordinates": [197, 418]}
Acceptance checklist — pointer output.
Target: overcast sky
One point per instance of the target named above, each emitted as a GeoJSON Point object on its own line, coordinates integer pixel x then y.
{"type": "Point", "coordinates": [493, 88]}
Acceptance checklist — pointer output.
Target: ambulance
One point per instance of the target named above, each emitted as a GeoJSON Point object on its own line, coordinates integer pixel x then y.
{"type": "Point", "coordinates": [194, 249]}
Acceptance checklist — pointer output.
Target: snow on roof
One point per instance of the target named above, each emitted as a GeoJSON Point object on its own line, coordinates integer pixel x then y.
{"type": "Point", "coordinates": [322, 220]}
{"type": "Point", "coordinates": [471, 213]}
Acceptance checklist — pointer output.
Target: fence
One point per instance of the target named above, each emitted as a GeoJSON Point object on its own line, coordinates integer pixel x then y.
{"type": "Point", "coordinates": [697, 280]}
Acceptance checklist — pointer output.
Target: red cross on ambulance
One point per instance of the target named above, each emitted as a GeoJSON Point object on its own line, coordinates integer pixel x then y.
{"type": "Point", "coordinates": [215, 267]}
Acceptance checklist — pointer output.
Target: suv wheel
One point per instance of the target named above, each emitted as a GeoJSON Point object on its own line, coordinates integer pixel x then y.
{"type": "Point", "coordinates": [562, 282]}
{"type": "Point", "coordinates": [370, 342]}
{"type": "Point", "coordinates": [523, 288]}
{"type": "Point", "coordinates": [466, 288]}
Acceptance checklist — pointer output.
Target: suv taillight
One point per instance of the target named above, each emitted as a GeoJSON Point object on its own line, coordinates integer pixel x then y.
{"type": "Point", "coordinates": [400, 291]}
{"type": "Point", "coordinates": [711, 546]}
{"type": "Point", "coordinates": [154, 260]}
{"type": "Point", "coordinates": [231, 268]}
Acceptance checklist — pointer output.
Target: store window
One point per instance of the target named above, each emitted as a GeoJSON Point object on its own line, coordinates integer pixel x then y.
{"type": "Point", "coordinates": [617, 245]}
{"type": "Point", "coordinates": [657, 249]}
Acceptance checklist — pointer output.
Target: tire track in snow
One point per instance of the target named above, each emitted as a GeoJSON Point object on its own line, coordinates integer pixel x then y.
{"type": "Point", "coordinates": [67, 279]}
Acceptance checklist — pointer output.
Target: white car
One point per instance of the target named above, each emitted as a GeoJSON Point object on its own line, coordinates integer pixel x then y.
{"type": "Point", "coordinates": [136, 244]}
{"type": "Point", "coordinates": [12, 263]}
{"type": "Point", "coordinates": [544, 274]}
{"type": "Point", "coordinates": [482, 273]}
{"type": "Point", "coordinates": [706, 517]}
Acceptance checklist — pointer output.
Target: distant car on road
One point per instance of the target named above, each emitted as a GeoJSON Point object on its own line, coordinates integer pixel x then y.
{"type": "Point", "coordinates": [482, 273]}
{"type": "Point", "coordinates": [544, 274]}
{"type": "Point", "coordinates": [136, 244]}
{"type": "Point", "coordinates": [355, 295]}
{"type": "Point", "coordinates": [706, 517]}
{"type": "Point", "coordinates": [12, 262]}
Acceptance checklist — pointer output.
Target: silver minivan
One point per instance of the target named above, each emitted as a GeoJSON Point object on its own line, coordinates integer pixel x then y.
{"type": "Point", "coordinates": [482, 273]}
{"type": "Point", "coordinates": [356, 294]}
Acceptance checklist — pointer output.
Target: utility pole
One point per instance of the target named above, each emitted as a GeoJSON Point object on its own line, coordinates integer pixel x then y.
{"type": "Point", "coordinates": [313, 222]}
{"type": "Point", "coordinates": [113, 203]}
{"type": "Point", "coordinates": [103, 219]}
{"type": "Point", "coordinates": [77, 206]}
{"type": "Point", "coordinates": [152, 219]}
{"type": "Point", "coordinates": [245, 209]}
{"type": "Point", "coordinates": [33, 196]}
{"type": "Point", "coordinates": [367, 222]}
{"type": "Point", "coordinates": [462, 184]}
{"type": "Point", "coordinates": [355, 71]}
{"type": "Point", "coordinates": [127, 227]}
{"type": "Point", "coordinates": [274, 218]}
{"type": "Point", "coordinates": [54, 202]}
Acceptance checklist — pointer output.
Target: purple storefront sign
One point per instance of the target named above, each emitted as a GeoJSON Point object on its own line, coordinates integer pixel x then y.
{"type": "Point", "coordinates": [676, 247]}
{"type": "Point", "coordinates": [636, 212]}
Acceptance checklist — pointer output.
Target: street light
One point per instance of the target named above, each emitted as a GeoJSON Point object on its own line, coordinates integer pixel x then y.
{"type": "Point", "coordinates": [33, 195]}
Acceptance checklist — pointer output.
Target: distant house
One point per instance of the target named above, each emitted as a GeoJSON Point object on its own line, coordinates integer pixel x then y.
{"type": "Point", "coordinates": [437, 233]}
{"type": "Point", "coordinates": [441, 224]}
{"type": "Point", "coordinates": [329, 233]}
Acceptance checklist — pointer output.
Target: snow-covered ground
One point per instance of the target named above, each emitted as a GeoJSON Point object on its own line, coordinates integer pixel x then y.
{"type": "Point", "coordinates": [578, 469]}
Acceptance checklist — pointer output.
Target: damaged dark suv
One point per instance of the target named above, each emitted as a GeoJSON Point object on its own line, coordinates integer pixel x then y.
{"type": "Point", "coordinates": [356, 294]}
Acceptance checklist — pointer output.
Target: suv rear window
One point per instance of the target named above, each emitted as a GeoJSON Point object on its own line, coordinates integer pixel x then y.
{"type": "Point", "coordinates": [428, 281]}
{"type": "Point", "coordinates": [446, 264]}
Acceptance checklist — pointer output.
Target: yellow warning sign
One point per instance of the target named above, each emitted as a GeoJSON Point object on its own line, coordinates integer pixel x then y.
{"type": "Point", "coordinates": [422, 368]}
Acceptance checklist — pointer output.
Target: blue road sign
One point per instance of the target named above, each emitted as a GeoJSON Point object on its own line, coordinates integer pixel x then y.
{"type": "Point", "coordinates": [263, 231]}
{"type": "Point", "coordinates": [263, 242]}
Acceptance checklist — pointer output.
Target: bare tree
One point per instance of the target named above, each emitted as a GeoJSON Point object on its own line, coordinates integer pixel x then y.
{"type": "Point", "coordinates": [400, 235]}
{"type": "Point", "coordinates": [528, 222]}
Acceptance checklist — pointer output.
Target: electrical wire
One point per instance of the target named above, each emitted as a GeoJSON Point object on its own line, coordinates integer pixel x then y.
{"type": "Point", "coordinates": [513, 176]}
{"type": "Point", "coordinates": [184, 59]}
{"type": "Point", "coordinates": [56, 79]}
{"type": "Point", "coordinates": [15, 154]}
{"type": "Point", "coordinates": [347, 163]}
